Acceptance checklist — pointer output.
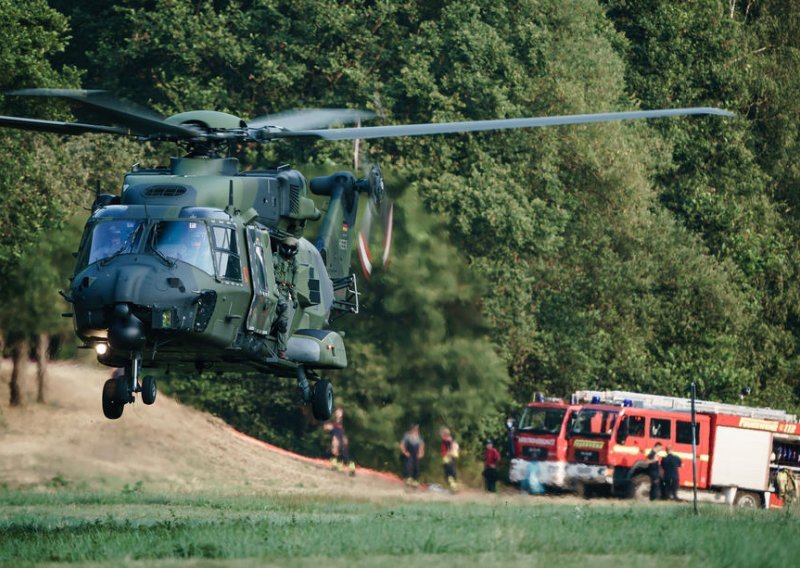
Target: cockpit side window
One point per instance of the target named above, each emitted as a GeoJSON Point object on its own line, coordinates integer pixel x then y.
{"type": "Point", "coordinates": [111, 238]}
{"type": "Point", "coordinates": [226, 253]}
{"type": "Point", "coordinates": [186, 241]}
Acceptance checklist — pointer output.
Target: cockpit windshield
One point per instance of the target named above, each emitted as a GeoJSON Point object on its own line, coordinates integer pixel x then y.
{"type": "Point", "coordinates": [186, 241]}
{"type": "Point", "coordinates": [542, 420]}
{"type": "Point", "coordinates": [114, 237]}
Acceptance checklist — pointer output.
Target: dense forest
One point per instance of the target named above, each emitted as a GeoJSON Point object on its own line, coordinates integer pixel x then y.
{"type": "Point", "coordinates": [639, 255]}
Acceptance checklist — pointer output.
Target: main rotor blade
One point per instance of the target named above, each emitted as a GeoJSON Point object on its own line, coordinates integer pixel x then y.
{"type": "Point", "coordinates": [58, 127]}
{"type": "Point", "coordinates": [305, 119]}
{"type": "Point", "coordinates": [481, 125]}
{"type": "Point", "coordinates": [139, 120]}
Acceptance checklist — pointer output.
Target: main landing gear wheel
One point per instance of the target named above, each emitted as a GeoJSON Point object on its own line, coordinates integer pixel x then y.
{"type": "Point", "coordinates": [149, 389]}
{"type": "Point", "coordinates": [322, 400]}
{"type": "Point", "coordinates": [112, 405]}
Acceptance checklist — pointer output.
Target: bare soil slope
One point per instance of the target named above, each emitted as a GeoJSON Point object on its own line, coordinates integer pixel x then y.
{"type": "Point", "coordinates": [166, 446]}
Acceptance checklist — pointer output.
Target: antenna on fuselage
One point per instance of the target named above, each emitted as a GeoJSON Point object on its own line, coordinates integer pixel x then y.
{"type": "Point", "coordinates": [229, 209]}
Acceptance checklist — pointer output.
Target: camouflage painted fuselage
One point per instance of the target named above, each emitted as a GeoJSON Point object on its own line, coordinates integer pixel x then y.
{"type": "Point", "coordinates": [180, 268]}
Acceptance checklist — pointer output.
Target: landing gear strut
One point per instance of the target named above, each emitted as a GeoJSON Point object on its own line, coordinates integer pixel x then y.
{"type": "Point", "coordinates": [320, 396]}
{"type": "Point", "coordinates": [120, 389]}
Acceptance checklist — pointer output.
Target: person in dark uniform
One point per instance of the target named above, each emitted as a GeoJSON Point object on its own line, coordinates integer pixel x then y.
{"type": "Point", "coordinates": [491, 457]}
{"type": "Point", "coordinates": [413, 448]}
{"type": "Point", "coordinates": [510, 431]}
{"type": "Point", "coordinates": [654, 471]}
{"type": "Point", "coordinates": [670, 464]}
{"type": "Point", "coordinates": [285, 272]}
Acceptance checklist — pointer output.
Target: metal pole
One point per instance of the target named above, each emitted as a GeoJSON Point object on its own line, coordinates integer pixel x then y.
{"type": "Point", "coordinates": [694, 451]}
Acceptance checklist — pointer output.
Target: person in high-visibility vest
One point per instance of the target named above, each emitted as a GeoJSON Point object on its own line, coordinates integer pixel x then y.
{"type": "Point", "coordinates": [449, 452]}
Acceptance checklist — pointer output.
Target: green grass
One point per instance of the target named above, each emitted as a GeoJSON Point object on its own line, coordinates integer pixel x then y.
{"type": "Point", "coordinates": [137, 527]}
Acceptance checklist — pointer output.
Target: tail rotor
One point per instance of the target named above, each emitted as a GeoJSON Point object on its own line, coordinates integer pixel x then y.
{"type": "Point", "coordinates": [377, 222]}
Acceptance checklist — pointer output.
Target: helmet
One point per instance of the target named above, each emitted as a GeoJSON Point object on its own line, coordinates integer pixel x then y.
{"type": "Point", "coordinates": [288, 247]}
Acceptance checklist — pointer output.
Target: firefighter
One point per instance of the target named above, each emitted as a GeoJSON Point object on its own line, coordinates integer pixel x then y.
{"type": "Point", "coordinates": [449, 451]}
{"type": "Point", "coordinates": [340, 445]}
{"type": "Point", "coordinates": [670, 464]}
{"type": "Point", "coordinates": [412, 446]}
{"type": "Point", "coordinates": [285, 272]}
{"type": "Point", "coordinates": [510, 431]}
{"type": "Point", "coordinates": [654, 471]}
{"type": "Point", "coordinates": [491, 457]}
{"type": "Point", "coordinates": [786, 485]}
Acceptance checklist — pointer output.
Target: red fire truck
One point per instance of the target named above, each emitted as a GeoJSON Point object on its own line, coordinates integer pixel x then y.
{"type": "Point", "coordinates": [541, 436]}
{"type": "Point", "coordinates": [742, 452]}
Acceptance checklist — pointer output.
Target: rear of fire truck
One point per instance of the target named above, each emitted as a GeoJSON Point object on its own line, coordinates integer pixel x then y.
{"type": "Point", "coordinates": [746, 456]}
{"type": "Point", "coordinates": [755, 462]}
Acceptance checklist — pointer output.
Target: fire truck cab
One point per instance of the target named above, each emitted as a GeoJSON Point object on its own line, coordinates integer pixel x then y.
{"type": "Point", "coordinates": [541, 437]}
{"type": "Point", "coordinates": [740, 450]}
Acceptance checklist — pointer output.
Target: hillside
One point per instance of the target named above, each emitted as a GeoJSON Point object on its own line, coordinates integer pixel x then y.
{"type": "Point", "coordinates": [167, 446]}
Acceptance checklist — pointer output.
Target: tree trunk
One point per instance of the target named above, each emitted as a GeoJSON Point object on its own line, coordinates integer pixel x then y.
{"type": "Point", "coordinates": [19, 353]}
{"type": "Point", "coordinates": [41, 367]}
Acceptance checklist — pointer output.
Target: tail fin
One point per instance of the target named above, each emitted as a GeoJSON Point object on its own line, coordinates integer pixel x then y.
{"type": "Point", "coordinates": [337, 236]}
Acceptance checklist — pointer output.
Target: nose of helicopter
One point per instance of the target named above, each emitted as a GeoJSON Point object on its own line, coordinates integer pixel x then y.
{"type": "Point", "coordinates": [132, 295]}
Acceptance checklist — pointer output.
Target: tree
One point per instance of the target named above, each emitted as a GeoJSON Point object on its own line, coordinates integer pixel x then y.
{"type": "Point", "coordinates": [42, 179]}
{"type": "Point", "coordinates": [636, 256]}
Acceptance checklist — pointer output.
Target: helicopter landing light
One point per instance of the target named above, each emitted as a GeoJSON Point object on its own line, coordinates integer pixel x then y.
{"type": "Point", "coordinates": [101, 348]}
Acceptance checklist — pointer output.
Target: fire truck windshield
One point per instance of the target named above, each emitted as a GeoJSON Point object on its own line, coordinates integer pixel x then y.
{"type": "Point", "coordinates": [542, 420]}
{"type": "Point", "coordinates": [594, 423]}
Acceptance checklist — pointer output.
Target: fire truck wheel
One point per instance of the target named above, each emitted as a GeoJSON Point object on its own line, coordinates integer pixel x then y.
{"type": "Point", "coordinates": [747, 500]}
{"type": "Point", "coordinates": [640, 488]}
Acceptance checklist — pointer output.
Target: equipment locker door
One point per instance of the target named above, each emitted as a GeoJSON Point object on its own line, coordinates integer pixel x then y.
{"type": "Point", "coordinates": [741, 458]}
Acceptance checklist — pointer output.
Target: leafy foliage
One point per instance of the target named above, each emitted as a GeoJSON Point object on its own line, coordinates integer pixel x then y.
{"type": "Point", "coordinates": [640, 256]}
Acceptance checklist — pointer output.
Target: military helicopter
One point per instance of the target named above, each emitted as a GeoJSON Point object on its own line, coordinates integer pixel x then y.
{"type": "Point", "coordinates": [177, 274]}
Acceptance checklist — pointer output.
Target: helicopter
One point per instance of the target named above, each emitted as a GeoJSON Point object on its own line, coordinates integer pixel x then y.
{"type": "Point", "coordinates": [180, 273]}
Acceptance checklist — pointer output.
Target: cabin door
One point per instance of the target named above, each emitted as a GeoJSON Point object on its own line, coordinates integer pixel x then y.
{"type": "Point", "coordinates": [262, 306]}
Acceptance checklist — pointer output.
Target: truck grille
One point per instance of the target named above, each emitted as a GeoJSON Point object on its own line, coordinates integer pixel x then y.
{"type": "Point", "coordinates": [534, 454]}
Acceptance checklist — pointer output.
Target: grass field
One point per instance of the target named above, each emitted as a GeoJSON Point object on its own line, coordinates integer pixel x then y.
{"type": "Point", "coordinates": [139, 528]}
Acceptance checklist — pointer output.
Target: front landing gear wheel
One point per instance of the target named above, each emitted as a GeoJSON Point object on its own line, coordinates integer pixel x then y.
{"type": "Point", "coordinates": [122, 390]}
{"type": "Point", "coordinates": [149, 390]}
{"type": "Point", "coordinates": [322, 400]}
{"type": "Point", "coordinates": [112, 406]}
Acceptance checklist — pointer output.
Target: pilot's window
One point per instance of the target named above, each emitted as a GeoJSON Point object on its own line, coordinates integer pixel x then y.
{"type": "Point", "coordinates": [111, 238]}
{"type": "Point", "coordinates": [262, 276]}
{"type": "Point", "coordinates": [186, 241]}
{"type": "Point", "coordinates": [226, 253]}
{"type": "Point", "coordinates": [636, 426]}
{"type": "Point", "coordinates": [683, 432]}
{"type": "Point", "coordinates": [660, 428]}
